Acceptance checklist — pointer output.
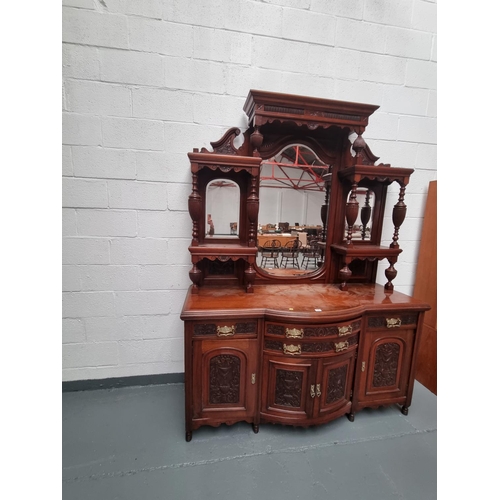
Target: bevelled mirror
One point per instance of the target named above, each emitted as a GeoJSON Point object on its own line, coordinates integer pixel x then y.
{"type": "Point", "coordinates": [292, 192]}
{"type": "Point", "coordinates": [222, 209]}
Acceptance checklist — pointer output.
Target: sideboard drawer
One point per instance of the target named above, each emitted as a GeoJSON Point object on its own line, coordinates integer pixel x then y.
{"type": "Point", "coordinates": [306, 348]}
{"type": "Point", "coordinates": [392, 320]}
{"type": "Point", "coordinates": [290, 331]}
{"type": "Point", "coordinates": [225, 328]}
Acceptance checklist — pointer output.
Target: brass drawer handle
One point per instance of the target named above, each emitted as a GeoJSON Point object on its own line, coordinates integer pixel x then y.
{"type": "Point", "coordinates": [318, 390]}
{"type": "Point", "coordinates": [292, 349]}
{"type": "Point", "coordinates": [345, 330]}
{"type": "Point", "coordinates": [225, 331]}
{"type": "Point", "coordinates": [341, 346]}
{"type": "Point", "coordinates": [293, 333]}
{"type": "Point", "coordinates": [393, 322]}
{"type": "Point", "coordinates": [313, 394]}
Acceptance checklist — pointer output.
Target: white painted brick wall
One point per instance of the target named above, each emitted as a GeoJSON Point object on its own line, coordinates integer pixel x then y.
{"type": "Point", "coordinates": [146, 81]}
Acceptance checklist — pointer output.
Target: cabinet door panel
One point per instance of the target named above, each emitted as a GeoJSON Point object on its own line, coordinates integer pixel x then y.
{"type": "Point", "coordinates": [386, 362]}
{"type": "Point", "coordinates": [336, 383]}
{"type": "Point", "coordinates": [287, 387]}
{"type": "Point", "coordinates": [227, 374]}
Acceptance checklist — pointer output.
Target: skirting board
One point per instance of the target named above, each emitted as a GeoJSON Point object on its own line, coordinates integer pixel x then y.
{"type": "Point", "coordinates": [111, 383]}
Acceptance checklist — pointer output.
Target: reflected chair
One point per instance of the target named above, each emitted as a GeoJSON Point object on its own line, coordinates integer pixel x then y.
{"type": "Point", "coordinates": [290, 253]}
{"type": "Point", "coordinates": [270, 251]}
{"type": "Point", "coordinates": [311, 255]}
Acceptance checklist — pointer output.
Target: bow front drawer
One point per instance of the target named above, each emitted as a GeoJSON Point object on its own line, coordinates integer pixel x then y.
{"type": "Point", "coordinates": [333, 330]}
{"type": "Point", "coordinates": [308, 347]}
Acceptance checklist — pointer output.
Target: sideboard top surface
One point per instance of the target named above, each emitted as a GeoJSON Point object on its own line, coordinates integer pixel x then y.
{"type": "Point", "coordinates": [311, 302]}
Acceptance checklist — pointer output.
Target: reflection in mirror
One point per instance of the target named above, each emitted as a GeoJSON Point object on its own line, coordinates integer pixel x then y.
{"type": "Point", "coordinates": [363, 225]}
{"type": "Point", "coordinates": [292, 193]}
{"type": "Point", "coordinates": [222, 209]}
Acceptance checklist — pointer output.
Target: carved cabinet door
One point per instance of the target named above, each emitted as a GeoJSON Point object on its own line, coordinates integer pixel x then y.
{"type": "Point", "coordinates": [336, 378]}
{"type": "Point", "coordinates": [385, 365]}
{"type": "Point", "coordinates": [226, 372]}
{"type": "Point", "coordinates": [287, 388]}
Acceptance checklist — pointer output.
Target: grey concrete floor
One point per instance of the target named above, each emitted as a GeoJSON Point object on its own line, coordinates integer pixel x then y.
{"type": "Point", "coordinates": [129, 443]}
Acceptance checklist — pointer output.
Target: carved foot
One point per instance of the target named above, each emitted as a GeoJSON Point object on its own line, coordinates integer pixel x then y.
{"type": "Point", "coordinates": [404, 410]}
{"type": "Point", "coordinates": [350, 417]}
{"type": "Point", "coordinates": [255, 428]}
{"type": "Point", "coordinates": [189, 436]}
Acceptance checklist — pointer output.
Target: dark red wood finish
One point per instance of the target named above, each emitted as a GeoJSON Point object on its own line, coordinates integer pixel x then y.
{"type": "Point", "coordinates": [299, 350]}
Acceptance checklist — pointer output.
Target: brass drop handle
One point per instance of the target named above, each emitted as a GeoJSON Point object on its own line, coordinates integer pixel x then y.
{"type": "Point", "coordinates": [345, 330]}
{"type": "Point", "coordinates": [341, 346]}
{"type": "Point", "coordinates": [225, 331]}
{"type": "Point", "coordinates": [294, 333]}
{"type": "Point", "coordinates": [363, 366]}
{"type": "Point", "coordinates": [393, 322]}
{"type": "Point", "coordinates": [292, 349]}
{"type": "Point", "coordinates": [313, 393]}
{"type": "Point", "coordinates": [318, 390]}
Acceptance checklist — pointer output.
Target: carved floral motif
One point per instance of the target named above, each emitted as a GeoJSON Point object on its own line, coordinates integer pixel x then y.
{"type": "Point", "coordinates": [386, 364]}
{"type": "Point", "coordinates": [336, 384]}
{"type": "Point", "coordinates": [288, 388]}
{"type": "Point", "coordinates": [224, 384]}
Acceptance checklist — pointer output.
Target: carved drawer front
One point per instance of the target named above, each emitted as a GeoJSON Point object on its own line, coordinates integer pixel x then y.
{"type": "Point", "coordinates": [293, 347]}
{"type": "Point", "coordinates": [392, 321]}
{"type": "Point", "coordinates": [343, 329]}
{"type": "Point", "coordinates": [225, 328]}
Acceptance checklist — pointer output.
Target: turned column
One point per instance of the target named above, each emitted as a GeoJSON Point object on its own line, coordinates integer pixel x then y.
{"type": "Point", "coordinates": [196, 276]}
{"type": "Point", "coordinates": [398, 216]}
{"type": "Point", "coordinates": [249, 277]}
{"type": "Point", "coordinates": [366, 212]}
{"type": "Point", "coordinates": [390, 274]}
{"type": "Point", "coordinates": [194, 207]}
{"type": "Point", "coordinates": [351, 214]}
{"type": "Point", "coordinates": [252, 212]}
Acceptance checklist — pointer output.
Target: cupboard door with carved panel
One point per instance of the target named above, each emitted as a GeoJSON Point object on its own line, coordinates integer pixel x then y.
{"type": "Point", "coordinates": [287, 388]}
{"type": "Point", "coordinates": [336, 377]}
{"type": "Point", "coordinates": [385, 366]}
{"type": "Point", "coordinates": [225, 375]}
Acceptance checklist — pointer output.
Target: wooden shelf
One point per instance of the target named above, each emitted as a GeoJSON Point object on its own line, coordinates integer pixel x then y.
{"type": "Point", "coordinates": [366, 251]}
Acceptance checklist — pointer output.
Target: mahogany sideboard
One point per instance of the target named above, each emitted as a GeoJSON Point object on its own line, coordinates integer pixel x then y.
{"type": "Point", "coordinates": [297, 354]}
{"type": "Point", "coordinates": [301, 348]}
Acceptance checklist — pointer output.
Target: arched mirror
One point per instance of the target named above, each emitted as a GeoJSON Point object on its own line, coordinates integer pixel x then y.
{"type": "Point", "coordinates": [222, 209]}
{"type": "Point", "coordinates": [362, 228]}
{"type": "Point", "coordinates": [292, 193]}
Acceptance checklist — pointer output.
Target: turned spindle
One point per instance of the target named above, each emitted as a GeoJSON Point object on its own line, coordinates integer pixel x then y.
{"type": "Point", "coordinates": [194, 208]}
{"type": "Point", "coordinates": [398, 216]}
{"type": "Point", "coordinates": [344, 274]}
{"type": "Point", "coordinates": [366, 212]}
{"type": "Point", "coordinates": [249, 278]}
{"type": "Point", "coordinates": [195, 275]}
{"type": "Point", "coordinates": [351, 212]}
{"type": "Point", "coordinates": [390, 274]}
{"type": "Point", "coordinates": [253, 212]}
